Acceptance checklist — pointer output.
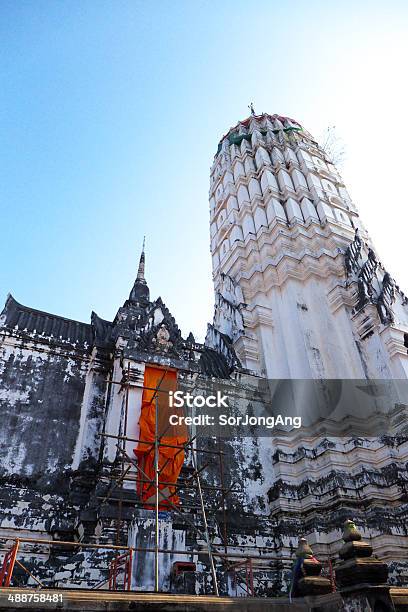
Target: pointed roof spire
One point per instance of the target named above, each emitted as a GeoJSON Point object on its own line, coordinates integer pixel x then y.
{"type": "Point", "coordinates": [140, 291]}
{"type": "Point", "coordinates": [141, 270]}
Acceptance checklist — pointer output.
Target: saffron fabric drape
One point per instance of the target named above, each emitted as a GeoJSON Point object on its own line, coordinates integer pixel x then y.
{"type": "Point", "coordinates": [170, 459]}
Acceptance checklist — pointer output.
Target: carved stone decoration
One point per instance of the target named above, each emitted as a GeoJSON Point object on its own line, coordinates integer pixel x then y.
{"type": "Point", "coordinates": [306, 579]}
{"type": "Point", "coordinates": [159, 331]}
{"type": "Point", "coordinates": [363, 295]}
{"type": "Point", "coordinates": [163, 339]}
{"type": "Point", "coordinates": [190, 339]}
{"type": "Point", "coordinates": [357, 564]}
{"type": "Point", "coordinates": [369, 269]}
{"type": "Point", "coordinates": [227, 310]}
{"type": "Point", "coordinates": [221, 343]}
{"type": "Point", "coordinates": [149, 328]}
{"type": "Point", "coordinates": [386, 300]}
{"type": "Point", "coordinates": [228, 323]}
{"type": "Point", "coordinates": [361, 577]}
{"type": "Point", "coordinates": [365, 280]}
{"type": "Point", "coordinates": [350, 532]}
{"type": "Point", "coordinates": [353, 254]}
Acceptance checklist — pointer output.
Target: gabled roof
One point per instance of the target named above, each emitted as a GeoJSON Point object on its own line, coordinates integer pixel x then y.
{"type": "Point", "coordinates": [46, 325]}
{"type": "Point", "coordinates": [38, 325]}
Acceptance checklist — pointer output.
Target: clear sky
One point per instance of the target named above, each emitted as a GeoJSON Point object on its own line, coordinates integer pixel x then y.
{"type": "Point", "coordinates": [111, 112]}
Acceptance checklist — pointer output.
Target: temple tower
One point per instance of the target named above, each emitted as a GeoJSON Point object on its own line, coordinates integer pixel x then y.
{"type": "Point", "coordinates": [299, 289]}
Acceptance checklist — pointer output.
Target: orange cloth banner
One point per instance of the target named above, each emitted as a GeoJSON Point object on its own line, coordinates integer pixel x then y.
{"type": "Point", "coordinates": [170, 459]}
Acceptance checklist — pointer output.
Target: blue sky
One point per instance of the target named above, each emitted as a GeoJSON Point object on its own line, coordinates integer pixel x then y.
{"type": "Point", "coordinates": [111, 113]}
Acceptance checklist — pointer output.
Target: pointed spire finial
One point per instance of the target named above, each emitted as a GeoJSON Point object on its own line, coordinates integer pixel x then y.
{"type": "Point", "coordinates": [140, 292]}
{"type": "Point", "coordinates": [140, 278]}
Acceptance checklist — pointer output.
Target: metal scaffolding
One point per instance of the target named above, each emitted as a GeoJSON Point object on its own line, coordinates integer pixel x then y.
{"type": "Point", "coordinates": [234, 563]}
{"type": "Point", "coordinates": [193, 482]}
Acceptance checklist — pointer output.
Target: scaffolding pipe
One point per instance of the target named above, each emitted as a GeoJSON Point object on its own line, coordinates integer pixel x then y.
{"type": "Point", "coordinates": [185, 446]}
{"type": "Point", "coordinates": [156, 472]}
{"type": "Point", "coordinates": [142, 549]}
{"type": "Point", "coordinates": [207, 535]}
{"type": "Point", "coordinates": [224, 510]}
{"type": "Point", "coordinates": [182, 484]}
{"type": "Point", "coordinates": [23, 567]}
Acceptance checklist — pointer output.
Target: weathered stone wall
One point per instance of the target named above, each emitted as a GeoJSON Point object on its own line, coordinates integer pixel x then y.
{"type": "Point", "coordinates": [40, 401]}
